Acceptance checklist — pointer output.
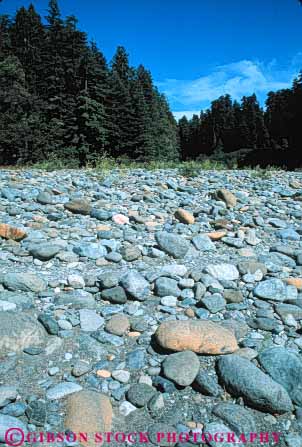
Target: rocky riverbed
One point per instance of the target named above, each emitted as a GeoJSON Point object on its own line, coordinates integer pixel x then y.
{"type": "Point", "coordinates": [151, 302]}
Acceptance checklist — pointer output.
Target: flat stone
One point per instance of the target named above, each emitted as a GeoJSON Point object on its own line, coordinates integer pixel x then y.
{"type": "Point", "coordinates": [8, 393]}
{"type": "Point", "coordinates": [166, 286]}
{"type": "Point", "coordinates": [62, 390]}
{"type": "Point", "coordinates": [90, 320]}
{"type": "Point", "coordinates": [115, 295]}
{"type": "Point", "coordinates": [271, 289]}
{"type": "Point", "coordinates": [238, 418]}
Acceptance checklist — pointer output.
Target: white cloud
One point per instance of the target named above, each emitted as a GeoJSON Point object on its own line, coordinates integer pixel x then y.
{"type": "Point", "coordinates": [238, 79]}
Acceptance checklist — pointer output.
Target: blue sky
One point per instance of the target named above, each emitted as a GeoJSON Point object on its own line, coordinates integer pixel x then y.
{"type": "Point", "coordinates": [196, 49]}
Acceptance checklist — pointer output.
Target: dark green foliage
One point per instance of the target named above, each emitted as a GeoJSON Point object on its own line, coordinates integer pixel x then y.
{"type": "Point", "coordinates": [266, 137]}
{"type": "Point", "coordinates": [61, 100]}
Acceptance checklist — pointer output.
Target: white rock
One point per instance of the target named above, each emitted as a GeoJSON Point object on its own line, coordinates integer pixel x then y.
{"type": "Point", "coordinates": [62, 389]}
{"type": "Point", "coordinates": [90, 320]}
{"type": "Point", "coordinates": [126, 408]}
{"type": "Point", "coordinates": [76, 281]}
{"type": "Point", "coordinates": [6, 305]}
{"type": "Point", "coordinates": [121, 375]}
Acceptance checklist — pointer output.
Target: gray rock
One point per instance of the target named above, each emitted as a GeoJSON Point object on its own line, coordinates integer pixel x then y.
{"type": "Point", "coordinates": [214, 303]}
{"type": "Point", "coordinates": [90, 250]}
{"type": "Point", "coordinates": [26, 282]}
{"type": "Point", "coordinates": [242, 378]}
{"type": "Point", "coordinates": [289, 309]}
{"type": "Point", "coordinates": [182, 367]}
{"type": "Point", "coordinates": [166, 286]}
{"type": "Point", "coordinates": [285, 368]}
{"type": "Point", "coordinates": [140, 394]}
{"type": "Point", "coordinates": [207, 384]}
{"type": "Point", "coordinates": [238, 418]}
{"type": "Point", "coordinates": [135, 285]}
{"type": "Point", "coordinates": [90, 320]}
{"type": "Point", "coordinates": [135, 359]}
{"type": "Point", "coordinates": [203, 243]}
{"type": "Point", "coordinates": [8, 422]}
{"type": "Point", "coordinates": [172, 244]}
{"type": "Point", "coordinates": [115, 295]}
{"type": "Point", "coordinates": [216, 435]}
{"type": "Point", "coordinates": [158, 434]}
{"type": "Point", "coordinates": [45, 251]}
{"type": "Point", "coordinates": [271, 289]}
{"type": "Point", "coordinates": [8, 393]}
{"type": "Point", "coordinates": [18, 331]}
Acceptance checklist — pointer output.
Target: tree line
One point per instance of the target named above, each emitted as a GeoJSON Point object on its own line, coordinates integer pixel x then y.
{"type": "Point", "coordinates": [247, 133]}
{"type": "Point", "coordinates": [59, 97]}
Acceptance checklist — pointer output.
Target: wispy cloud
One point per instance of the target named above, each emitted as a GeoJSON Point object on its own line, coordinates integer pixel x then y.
{"type": "Point", "coordinates": [238, 79]}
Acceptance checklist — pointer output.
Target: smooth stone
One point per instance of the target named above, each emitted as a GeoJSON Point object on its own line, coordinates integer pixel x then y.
{"type": "Point", "coordinates": [8, 393]}
{"type": "Point", "coordinates": [45, 251]}
{"type": "Point", "coordinates": [8, 422]}
{"type": "Point", "coordinates": [203, 337]}
{"type": "Point", "coordinates": [25, 282]}
{"type": "Point", "coordinates": [238, 418]}
{"type": "Point", "coordinates": [284, 367]}
{"type": "Point", "coordinates": [242, 378]}
{"type": "Point", "coordinates": [78, 206]}
{"type": "Point", "coordinates": [88, 412]}
{"type": "Point", "coordinates": [166, 286]}
{"type": "Point", "coordinates": [140, 394]}
{"type": "Point", "coordinates": [182, 367]}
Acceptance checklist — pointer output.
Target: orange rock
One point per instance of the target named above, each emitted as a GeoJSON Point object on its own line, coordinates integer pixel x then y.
{"type": "Point", "coordinates": [103, 373]}
{"type": "Point", "coordinates": [184, 216]}
{"type": "Point", "coordinates": [9, 232]}
{"type": "Point", "coordinates": [227, 196]}
{"type": "Point", "coordinates": [216, 235]}
{"type": "Point", "coordinates": [294, 282]}
{"type": "Point", "coordinates": [202, 337]}
{"type": "Point", "coordinates": [190, 312]}
{"type": "Point", "coordinates": [134, 334]}
{"type": "Point", "coordinates": [88, 412]}
{"type": "Point", "coordinates": [103, 227]}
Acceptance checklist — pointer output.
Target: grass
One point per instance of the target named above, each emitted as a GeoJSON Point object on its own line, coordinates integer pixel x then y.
{"type": "Point", "coordinates": [106, 164]}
